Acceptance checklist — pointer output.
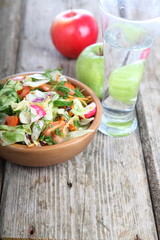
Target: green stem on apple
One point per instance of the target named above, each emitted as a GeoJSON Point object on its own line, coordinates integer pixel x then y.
{"type": "Point", "coordinates": [100, 52]}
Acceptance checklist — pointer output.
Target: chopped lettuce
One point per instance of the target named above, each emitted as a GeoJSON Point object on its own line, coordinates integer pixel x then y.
{"type": "Point", "coordinates": [25, 116]}
{"type": "Point", "coordinates": [36, 129]}
{"type": "Point", "coordinates": [20, 106]}
{"type": "Point", "coordinates": [10, 135]}
{"type": "Point", "coordinates": [62, 112]}
{"type": "Point", "coordinates": [35, 116]}
{"type": "Point", "coordinates": [86, 121]}
{"type": "Point", "coordinates": [7, 97]}
{"type": "Point", "coordinates": [54, 74]}
{"type": "Point", "coordinates": [33, 95]}
{"type": "Point", "coordinates": [25, 113]}
{"type": "Point", "coordinates": [36, 76]}
{"type": "Point", "coordinates": [49, 111]}
{"type": "Point", "coordinates": [35, 83]}
{"type": "Point", "coordinates": [2, 118]}
{"type": "Point", "coordinates": [78, 108]}
{"type": "Point", "coordinates": [16, 85]}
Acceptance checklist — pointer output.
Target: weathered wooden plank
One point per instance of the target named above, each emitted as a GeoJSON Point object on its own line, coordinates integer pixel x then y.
{"type": "Point", "coordinates": [9, 32]}
{"type": "Point", "coordinates": [2, 163]}
{"type": "Point", "coordinates": [102, 193]}
{"type": "Point", "coordinates": [149, 117]}
{"type": "Point", "coordinates": [10, 24]}
{"type": "Point", "coordinates": [98, 195]}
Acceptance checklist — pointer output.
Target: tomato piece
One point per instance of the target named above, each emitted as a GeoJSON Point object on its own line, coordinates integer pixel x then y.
{"type": "Point", "coordinates": [22, 93]}
{"type": "Point", "coordinates": [59, 92]}
{"type": "Point", "coordinates": [12, 120]}
{"type": "Point", "coordinates": [71, 86]}
{"type": "Point", "coordinates": [45, 87]}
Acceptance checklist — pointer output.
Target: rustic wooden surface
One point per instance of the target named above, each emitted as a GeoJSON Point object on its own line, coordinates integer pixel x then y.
{"type": "Point", "coordinates": [109, 191]}
{"type": "Point", "coordinates": [10, 18]}
{"type": "Point", "coordinates": [149, 115]}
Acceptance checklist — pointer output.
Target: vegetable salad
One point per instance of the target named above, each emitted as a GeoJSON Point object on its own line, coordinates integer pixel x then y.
{"type": "Point", "coordinates": [43, 109]}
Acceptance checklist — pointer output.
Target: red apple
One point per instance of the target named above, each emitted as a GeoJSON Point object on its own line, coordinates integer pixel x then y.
{"type": "Point", "coordinates": [72, 31]}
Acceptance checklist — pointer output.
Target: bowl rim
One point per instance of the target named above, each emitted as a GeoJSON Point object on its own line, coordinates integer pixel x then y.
{"type": "Point", "coordinates": [94, 125]}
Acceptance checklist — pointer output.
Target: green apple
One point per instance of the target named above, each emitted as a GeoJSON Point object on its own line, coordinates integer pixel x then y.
{"type": "Point", "coordinates": [90, 68]}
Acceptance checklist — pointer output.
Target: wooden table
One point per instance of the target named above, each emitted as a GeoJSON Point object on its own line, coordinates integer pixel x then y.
{"type": "Point", "coordinates": [110, 191]}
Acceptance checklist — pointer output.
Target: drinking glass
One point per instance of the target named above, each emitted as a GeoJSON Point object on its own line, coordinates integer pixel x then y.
{"type": "Point", "coordinates": [128, 30]}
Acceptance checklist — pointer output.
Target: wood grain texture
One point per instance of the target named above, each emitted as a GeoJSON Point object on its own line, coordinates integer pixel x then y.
{"type": "Point", "coordinates": [10, 26]}
{"type": "Point", "coordinates": [98, 195]}
{"type": "Point", "coordinates": [10, 15]}
{"type": "Point", "coordinates": [149, 118]}
{"type": "Point", "coordinates": [2, 164]}
{"type": "Point", "coordinates": [102, 193]}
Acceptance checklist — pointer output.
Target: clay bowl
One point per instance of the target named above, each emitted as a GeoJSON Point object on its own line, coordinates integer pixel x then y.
{"type": "Point", "coordinates": [51, 155]}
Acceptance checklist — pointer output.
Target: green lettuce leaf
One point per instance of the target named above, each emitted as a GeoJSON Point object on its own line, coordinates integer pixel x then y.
{"type": "Point", "coordinates": [2, 118]}
{"type": "Point", "coordinates": [78, 108]}
{"type": "Point", "coordinates": [10, 135]}
{"type": "Point", "coordinates": [62, 103]}
{"type": "Point", "coordinates": [15, 85]}
{"type": "Point", "coordinates": [7, 97]}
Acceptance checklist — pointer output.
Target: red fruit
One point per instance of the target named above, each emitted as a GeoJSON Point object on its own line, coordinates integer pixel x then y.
{"type": "Point", "coordinates": [72, 31]}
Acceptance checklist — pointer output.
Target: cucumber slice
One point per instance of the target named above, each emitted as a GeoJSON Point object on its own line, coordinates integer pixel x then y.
{"type": "Point", "coordinates": [124, 82]}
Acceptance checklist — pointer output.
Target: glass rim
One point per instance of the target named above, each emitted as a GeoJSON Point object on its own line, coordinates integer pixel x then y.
{"type": "Point", "coordinates": [150, 20]}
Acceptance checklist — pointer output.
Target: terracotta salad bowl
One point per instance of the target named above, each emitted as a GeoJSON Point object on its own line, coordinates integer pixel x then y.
{"type": "Point", "coordinates": [45, 155]}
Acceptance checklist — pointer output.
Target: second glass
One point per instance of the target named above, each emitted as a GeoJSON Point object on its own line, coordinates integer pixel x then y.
{"type": "Point", "coordinates": [128, 37]}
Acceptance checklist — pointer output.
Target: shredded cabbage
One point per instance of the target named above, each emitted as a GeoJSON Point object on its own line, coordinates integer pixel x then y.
{"type": "Point", "coordinates": [36, 83]}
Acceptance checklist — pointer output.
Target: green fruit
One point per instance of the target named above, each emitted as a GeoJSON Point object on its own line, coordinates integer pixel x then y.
{"type": "Point", "coordinates": [90, 68]}
{"type": "Point", "coordinates": [124, 82]}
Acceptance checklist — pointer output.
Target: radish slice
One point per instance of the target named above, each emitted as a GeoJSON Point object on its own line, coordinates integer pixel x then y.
{"type": "Point", "coordinates": [37, 112]}
{"type": "Point", "coordinates": [18, 78]}
{"type": "Point", "coordinates": [91, 110]}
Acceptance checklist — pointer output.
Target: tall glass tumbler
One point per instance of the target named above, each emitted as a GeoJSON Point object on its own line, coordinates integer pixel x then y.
{"type": "Point", "coordinates": [128, 29]}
